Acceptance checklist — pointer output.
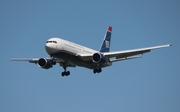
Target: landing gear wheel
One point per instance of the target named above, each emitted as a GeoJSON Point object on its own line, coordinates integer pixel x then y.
{"type": "Point", "coordinates": [98, 70]}
{"type": "Point", "coordinates": [65, 73]}
{"type": "Point", "coordinates": [94, 71]}
{"type": "Point", "coordinates": [68, 73]}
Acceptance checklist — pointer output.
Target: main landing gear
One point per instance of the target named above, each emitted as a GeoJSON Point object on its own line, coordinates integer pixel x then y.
{"type": "Point", "coordinates": [65, 73]}
{"type": "Point", "coordinates": [97, 70]}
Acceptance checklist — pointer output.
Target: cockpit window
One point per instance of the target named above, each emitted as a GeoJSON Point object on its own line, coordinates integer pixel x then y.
{"type": "Point", "coordinates": [51, 42]}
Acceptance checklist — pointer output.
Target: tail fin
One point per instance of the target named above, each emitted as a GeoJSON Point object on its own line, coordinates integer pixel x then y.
{"type": "Point", "coordinates": [106, 42]}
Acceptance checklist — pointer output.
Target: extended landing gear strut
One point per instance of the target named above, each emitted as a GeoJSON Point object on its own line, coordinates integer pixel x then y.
{"type": "Point", "coordinates": [97, 70]}
{"type": "Point", "coordinates": [65, 73]}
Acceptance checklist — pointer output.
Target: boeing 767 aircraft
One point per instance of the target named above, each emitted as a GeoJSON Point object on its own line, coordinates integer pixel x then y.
{"type": "Point", "coordinates": [69, 54]}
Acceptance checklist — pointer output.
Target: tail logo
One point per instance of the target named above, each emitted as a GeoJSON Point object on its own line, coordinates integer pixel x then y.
{"type": "Point", "coordinates": [107, 44]}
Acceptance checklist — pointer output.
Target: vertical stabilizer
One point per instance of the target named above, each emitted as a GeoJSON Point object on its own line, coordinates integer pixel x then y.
{"type": "Point", "coordinates": [106, 42]}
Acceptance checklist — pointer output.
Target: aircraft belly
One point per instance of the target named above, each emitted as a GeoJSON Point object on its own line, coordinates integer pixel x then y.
{"type": "Point", "coordinates": [78, 61]}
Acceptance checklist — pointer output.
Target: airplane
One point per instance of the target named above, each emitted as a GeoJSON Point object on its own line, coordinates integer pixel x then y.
{"type": "Point", "coordinates": [69, 54]}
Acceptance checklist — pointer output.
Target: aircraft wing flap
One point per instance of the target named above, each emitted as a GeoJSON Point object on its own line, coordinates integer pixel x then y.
{"type": "Point", "coordinates": [128, 53]}
{"type": "Point", "coordinates": [125, 58]}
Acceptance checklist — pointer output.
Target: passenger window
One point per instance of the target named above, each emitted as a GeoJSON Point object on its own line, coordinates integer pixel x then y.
{"type": "Point", "coordinates": [51, 42]}
{"type": "Point", "coordinates": [54, 41]}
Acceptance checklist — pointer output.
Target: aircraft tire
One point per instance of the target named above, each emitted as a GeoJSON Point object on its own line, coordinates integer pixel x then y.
{"type": "Point", "coordinates": [97, 70]}
{"type": "Point", "coordinates": [65, 73]}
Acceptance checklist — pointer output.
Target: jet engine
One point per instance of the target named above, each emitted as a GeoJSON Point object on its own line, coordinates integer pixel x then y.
{"type": "Point", "coordinates": [98, 58]}
{"type": "Point", "coordinates": [45, 63]}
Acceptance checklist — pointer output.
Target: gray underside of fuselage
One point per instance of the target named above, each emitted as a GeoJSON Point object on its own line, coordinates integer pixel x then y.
{"type": "Point", "coordinates": [78, 61]}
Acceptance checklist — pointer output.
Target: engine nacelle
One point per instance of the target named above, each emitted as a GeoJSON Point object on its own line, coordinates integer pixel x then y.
{"type": "Point", "coordinates": [98, 58]}
{"type": "Point", "coordinates": [45, 63]}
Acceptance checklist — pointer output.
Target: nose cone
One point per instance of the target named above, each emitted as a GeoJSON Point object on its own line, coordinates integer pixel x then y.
{"type": "Point", "coordinates": [50, 48]}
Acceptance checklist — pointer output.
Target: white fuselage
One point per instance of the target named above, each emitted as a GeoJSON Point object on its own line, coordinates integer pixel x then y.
{"type": "Point", "coordinates": [53, 45]}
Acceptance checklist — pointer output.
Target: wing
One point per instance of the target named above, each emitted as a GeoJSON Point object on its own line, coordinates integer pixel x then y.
{"type": "Point", "coordinates": [125, 54]}
{"type": "Point", "coordinates": [35, 60]}
{"type": "Point", "coordinates": [31, 60]}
